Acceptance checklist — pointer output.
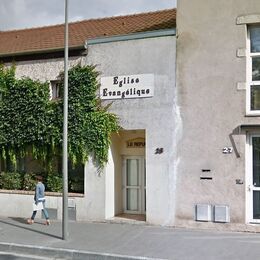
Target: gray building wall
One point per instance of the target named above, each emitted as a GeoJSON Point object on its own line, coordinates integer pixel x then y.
{"type": "Point", "coordinates": [44, 70]}
{"type": "Point", "coordinates": [154, 115]}
{"type": "Point", "coordinates": [212, 105]}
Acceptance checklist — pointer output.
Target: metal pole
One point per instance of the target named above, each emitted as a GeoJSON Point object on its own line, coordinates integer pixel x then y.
{"type": "Point", "coordinates": [65, 133]}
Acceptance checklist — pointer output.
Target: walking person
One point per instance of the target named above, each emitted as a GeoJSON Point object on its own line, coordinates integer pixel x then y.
{"type": "Point", "coordinates": [39, 198]}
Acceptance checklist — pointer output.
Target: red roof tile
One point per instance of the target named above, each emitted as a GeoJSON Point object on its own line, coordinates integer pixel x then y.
{"type": "Point", "coordinates": [52, 37]}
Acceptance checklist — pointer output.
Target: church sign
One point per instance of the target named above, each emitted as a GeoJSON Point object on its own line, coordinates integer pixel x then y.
{"type": "Point", "coordinates": [127, 86]}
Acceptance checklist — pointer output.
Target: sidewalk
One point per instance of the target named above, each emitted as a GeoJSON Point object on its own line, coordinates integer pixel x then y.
{"type": "Point", "coordinates": [136, 241]}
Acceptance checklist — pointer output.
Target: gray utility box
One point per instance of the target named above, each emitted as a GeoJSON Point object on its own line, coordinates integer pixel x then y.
{"type": "Point", "coordinates": [221, 213]}
{"type": "Point", "coordinates": [203, 212]}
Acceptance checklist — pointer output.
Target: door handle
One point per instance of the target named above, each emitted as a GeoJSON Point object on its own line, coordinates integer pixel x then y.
{"type": "Point", "coordinates": [249, 188]}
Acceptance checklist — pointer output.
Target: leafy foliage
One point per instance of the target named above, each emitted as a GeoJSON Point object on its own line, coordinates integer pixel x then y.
{"type": "Point", "coordinates": [29, 181]}
{"type": "Point", "coordinates": [54, 182]}
{"type": "Point", "coordinates": [10, 181]}
{"type": "Point", "coordinates": [30, 123]}
{"type": "Point", "coordinates": [90, 125]}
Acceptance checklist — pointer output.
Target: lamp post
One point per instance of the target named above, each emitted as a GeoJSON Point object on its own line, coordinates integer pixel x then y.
{"type": "Point", "coordinates": [65, 133]}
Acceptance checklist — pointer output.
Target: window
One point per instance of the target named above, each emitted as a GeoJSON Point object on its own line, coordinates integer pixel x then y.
{"type": "Point", "coordinates": [8, 165]}
{"type": "Point", "coordinates": [75, 175]}
{"type": "Point", "coordinates": [253, 60]}
{"type": "Point", "coordinates": [55, 89]}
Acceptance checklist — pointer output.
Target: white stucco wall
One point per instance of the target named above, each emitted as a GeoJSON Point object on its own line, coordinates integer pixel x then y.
{"type": "Point", "coordinates": [110, 187]}
{"type": "Point", "coordinates": [154, 115]}
{"type": "Point", "coordinates": [44, 70]}
{"type": "Point", "coordinates": [20, 204]}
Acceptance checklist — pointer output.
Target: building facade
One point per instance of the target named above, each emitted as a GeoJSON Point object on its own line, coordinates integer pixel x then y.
{"type": "Point", "coordinates": [141, 167]}
{"type": "Point", "coordinates": [218, 97]}
{"type": "Point", "coordinates": [135, 56]}
{"type": "Point", "coordinates": [188, 151]}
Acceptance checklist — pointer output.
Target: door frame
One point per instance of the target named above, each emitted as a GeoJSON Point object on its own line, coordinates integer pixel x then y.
{"type": "Point", "coordinates": [249, 187]}
{"type": "Point", "coordinates": [142, 184]}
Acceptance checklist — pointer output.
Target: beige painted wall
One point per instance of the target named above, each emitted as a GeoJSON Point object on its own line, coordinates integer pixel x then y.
{"type": "Point", "coordinates": [211, 106]}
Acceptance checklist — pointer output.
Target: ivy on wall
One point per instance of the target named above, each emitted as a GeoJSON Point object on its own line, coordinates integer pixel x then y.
{"type": "Point", "coordinates": [31, 123]}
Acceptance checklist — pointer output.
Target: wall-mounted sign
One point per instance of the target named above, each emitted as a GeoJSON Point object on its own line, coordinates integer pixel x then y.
{"type": "Point", "coordinates": [136, 143]}
{"type": "Point", "coordinates": [127, 86]}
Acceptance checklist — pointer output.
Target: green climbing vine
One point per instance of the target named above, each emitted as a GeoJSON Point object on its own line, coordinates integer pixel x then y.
{"type": "Point", "coordinates": [31, 123]}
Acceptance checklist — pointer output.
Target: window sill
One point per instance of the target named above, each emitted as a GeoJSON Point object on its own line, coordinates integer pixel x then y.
{"type": "Point", "coordinates": [58, 99]}
{"type": "Point", "coordinates": [254, 114]}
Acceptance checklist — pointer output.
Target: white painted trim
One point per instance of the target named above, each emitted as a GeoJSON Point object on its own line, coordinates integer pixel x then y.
{"type": "Point", "coordinates": [247, 181]}
{"type": "Point", "coordinates": [253, 113]}
{"type": "Point", "coordinates": [254, 83]}
{"type": "Point", "coordinates": [241, 85]}
{"type": "Point", "coordinates": [249, 81]}
{"type": "Point", "coordinates": [241, 52]}
{"type": "Point", "coordinates": [248, 66]}
{"type": "Point", "coordinates": [110, 187]}
{"type": "Point", "coordinates": [249, 188]}
{"type": "Point", "coordinates": [255, 54]}
{"type": "Point", "coordinates": [248, 19]}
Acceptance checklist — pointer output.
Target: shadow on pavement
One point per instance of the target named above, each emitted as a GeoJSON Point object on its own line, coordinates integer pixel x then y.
{"type": "Point", "coordinates": [22, 221]}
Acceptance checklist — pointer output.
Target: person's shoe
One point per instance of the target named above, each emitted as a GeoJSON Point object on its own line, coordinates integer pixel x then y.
{"type": "Point", "coordinates": [47, 222]}
{"type": "Point", "coordinates": [30, 221]}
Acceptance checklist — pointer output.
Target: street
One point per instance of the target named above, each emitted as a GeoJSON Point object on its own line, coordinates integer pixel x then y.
{"type": "Point", "coordinates": [122, 241]}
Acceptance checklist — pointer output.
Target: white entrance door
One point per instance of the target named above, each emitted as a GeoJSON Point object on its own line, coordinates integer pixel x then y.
{"type": "Point", "coordinates": [134, 184]}
{"type": "Point", "coordinates": [253, 180]}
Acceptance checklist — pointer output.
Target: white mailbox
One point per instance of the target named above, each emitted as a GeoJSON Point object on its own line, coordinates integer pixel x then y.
{"type": "Point", "coordinates": [221, 213]}
{"type": "Point", "coordinates": [203, 212]}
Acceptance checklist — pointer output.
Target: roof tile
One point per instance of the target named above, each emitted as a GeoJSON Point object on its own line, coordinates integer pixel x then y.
{"type": "Point", "coordinates": [52, 37]}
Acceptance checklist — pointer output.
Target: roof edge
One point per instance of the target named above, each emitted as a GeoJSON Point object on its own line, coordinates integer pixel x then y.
{"type": "Point", "coordinates": [37, 51]}
{"type": "Point", "coordinates": [132, 36]}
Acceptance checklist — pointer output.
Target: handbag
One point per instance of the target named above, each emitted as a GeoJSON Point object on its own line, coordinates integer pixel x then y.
{"type": "Point", "coordinates": [37, 207]}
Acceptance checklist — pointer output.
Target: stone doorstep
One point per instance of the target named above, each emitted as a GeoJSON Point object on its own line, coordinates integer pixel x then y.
{"type": "Point", "coordinates": [61, 253]}
{"type": "Point", "coordinates": [117, 220]}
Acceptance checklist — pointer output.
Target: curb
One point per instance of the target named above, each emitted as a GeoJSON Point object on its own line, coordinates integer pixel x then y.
{"type": "Point", "coordinates": [60, 253]}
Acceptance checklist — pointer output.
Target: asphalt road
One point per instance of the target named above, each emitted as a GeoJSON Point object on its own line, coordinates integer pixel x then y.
{"type": "Point", "coordinates": [10, 256]}
{"type": "Point", "coordinates": [106, 240]}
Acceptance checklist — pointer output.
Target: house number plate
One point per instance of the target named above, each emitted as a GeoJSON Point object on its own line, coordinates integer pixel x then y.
{"type": "Point", "coordinates": [226, 150]}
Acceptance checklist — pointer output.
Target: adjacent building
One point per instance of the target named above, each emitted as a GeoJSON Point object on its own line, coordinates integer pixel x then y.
{"type": "Point", "coordinates": [218, 47]}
